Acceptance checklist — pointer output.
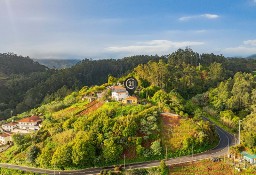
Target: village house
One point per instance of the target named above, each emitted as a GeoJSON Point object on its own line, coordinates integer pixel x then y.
{"type": "Point", "coordinates": [30, 123]}
{"type": "Point", "coordinates": [5, 138]}
{"type": "Point", "coordinates": [119, 93]}
{"type": "Point", "coordinates": [10, 126]}
{"type": "Point", "coordinates": [130, 100]}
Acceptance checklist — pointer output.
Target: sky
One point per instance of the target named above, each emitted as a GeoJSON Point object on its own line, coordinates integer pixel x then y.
{"type": "Point", "coordinates": [99, 29]}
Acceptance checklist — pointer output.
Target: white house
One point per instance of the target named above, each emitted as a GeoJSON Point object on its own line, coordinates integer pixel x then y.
{"type": "Point", "coordinates": [5, 138]}
{"type": "Point", "coordinates": [30, 123]}
{"type": "Point", "coordinates": [119, 93]}
{"type": "Point", "coordinates": [10, 126]}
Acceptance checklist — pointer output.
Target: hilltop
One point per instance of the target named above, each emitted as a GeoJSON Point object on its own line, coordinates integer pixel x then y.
{"type": "Point", "coordinates": [13, 64]}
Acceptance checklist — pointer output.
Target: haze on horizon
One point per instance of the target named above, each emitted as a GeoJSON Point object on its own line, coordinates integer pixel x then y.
{"type": "Point", "coordinates": [114, 29]}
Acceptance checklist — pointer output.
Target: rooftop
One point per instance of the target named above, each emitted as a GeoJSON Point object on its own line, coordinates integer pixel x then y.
{"type": "Point", "coordinates": [4, 135]}
{"type": "Point", "coordinates": [251, 156]}
{"type": "Point", "coordinates": [118, 88]}
{"type": "Point", "coordinates": [131, 98]}
{"type": "Point", "coordinates": [11, 124]}
{"type": "Point", "coordinates": [30, 119]}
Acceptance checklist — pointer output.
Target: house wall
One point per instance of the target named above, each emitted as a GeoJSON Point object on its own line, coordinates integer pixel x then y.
{"type": "Point", "coordinates": [5, 140]}
{"type": "Point", "coordinates": [119, 96]}
{"type": "Point", "coordinates": [252, 161]}
{"type": "Point", "coordinates": [4, 147]}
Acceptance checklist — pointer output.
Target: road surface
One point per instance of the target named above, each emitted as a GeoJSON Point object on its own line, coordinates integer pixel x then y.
{"type": "Point", "coordinates": [226, 140]}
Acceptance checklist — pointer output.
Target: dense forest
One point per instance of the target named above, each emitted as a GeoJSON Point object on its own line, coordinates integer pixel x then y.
{"type": "Point", "coordinates": [13, 64]}
{"type": "Point", "coordinates": [25, 84]}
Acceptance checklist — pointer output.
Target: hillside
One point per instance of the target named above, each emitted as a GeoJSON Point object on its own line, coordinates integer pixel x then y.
{"type": "Point", "coordinates": [252, 56]}
{"type": "Point", "coordinates": [21, 92]}
{"type": "Point", "coordinates": [13, 64]}
{"type": "Point", "coordinates": [77, 133]}
{"type": "Point", "coordinates": [76, 129]}
{"type": "Point", "coordinates": [57, 64]}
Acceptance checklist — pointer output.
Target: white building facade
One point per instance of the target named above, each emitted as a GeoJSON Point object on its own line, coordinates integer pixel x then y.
{"type": "Point", "coordinates": [5, 138]}
{"type": "Point", "coordinates": [10, 126]}
{"type": "Point", "coordinates": [119, 93]}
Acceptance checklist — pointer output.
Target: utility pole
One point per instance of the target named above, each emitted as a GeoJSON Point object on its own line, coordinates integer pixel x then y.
{"type": "Point", "coordinates": [192, 152]}
{"type": "Point", "coordinates": [228, 147]}
{"type": "Point", "coordinates": [239, 137]}
{"type": "Point", "coordinates": [124, 161]}
{"type": "Point", "coordinates": [166, 155]}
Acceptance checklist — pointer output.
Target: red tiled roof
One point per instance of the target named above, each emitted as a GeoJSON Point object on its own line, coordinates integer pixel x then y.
{"type": "Point", "coordinates": [11, 124]}
{"type": "Point", "coordinates": [30, 119]}
{"type": "Point", "coordinates": [4, 135]}
{"type": "Point", "coordinates": [118, 88]}
{"type": "Point", "coordinates": [131, 98]}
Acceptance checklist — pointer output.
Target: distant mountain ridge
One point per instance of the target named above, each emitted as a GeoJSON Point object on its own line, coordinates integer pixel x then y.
{"type": "Point", "coordinates": [57, 63]}
{"type": "Point", "coordinates": [252, 56]}
{"type": "Point", "coordinates": [13, 64]}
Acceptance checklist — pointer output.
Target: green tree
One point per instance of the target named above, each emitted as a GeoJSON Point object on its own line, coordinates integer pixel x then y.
{"type": "Point", "coordinates": [44, 159]}
{"type": "Point", "coordinates": [33, 153]}
{"type": "Point", "coordinates": [62, 157]}
{"type": "Point", "coordinates": [164, 169]}
{"type": "Point", "coordinates": [83, 152]}
{"type": "Point", "coordinates": [216, 72]}
{"type": "Point", "coordinates": [156, 148]}
{"type": "Point", "coordinates": [111, 150]}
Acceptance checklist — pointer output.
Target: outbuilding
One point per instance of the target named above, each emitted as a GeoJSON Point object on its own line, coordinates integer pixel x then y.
{"type": "Point", "coordinates": [251, 158]}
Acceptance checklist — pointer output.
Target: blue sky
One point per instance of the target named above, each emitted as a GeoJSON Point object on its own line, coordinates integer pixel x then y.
{"type": "Point", "coordinates": [117, 28]}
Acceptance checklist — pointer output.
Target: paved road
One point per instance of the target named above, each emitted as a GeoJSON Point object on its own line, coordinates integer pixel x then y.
{"type": "Point", "coordinates": [226, 140]}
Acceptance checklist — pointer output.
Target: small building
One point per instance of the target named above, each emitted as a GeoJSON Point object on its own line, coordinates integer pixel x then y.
{"type": "Point", "coordinates": [10, 126]}
{"type": "Point", "coordinates": [130, 100]}
{"type": "Point", "coordinates": [251, 158]}
{"type": "Point", "coordinates": [119, 93]}
{"type": "Point", "coordinates": [30, 123]}
{"type": "Point", "coordinates": [90, 98]}
{"type": "Point", "coordinates": [5, 138]}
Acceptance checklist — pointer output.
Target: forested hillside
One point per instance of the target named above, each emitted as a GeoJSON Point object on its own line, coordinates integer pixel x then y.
{"type": "Point", "coordinates": [75, 136]}
{"type": "Point", "coordinates": [13, 64]}
{"type": "Point", "coordinates": [101, 132]}
{"type": "Point", "coordinates": [22, 92]}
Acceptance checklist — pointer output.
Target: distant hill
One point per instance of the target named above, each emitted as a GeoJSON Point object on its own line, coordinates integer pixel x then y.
{"type": "Point", "coordinates": [252, 56]}
{"type": "Point", "coordinates": [57, 63]}
{"type": "Point", "coordinates": [13, 64]}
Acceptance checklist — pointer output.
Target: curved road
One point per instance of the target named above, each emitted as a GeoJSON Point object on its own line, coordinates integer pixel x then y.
{"type": "Point", "coordinates": [226, 140]}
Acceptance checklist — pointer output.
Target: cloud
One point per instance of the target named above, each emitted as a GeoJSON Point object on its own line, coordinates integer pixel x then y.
{"type": "Point", "coordinates": [202, 16]}
{"type": "Point", "coordinates": [153, 47]}
{"type": "Point", "coordinates": [247, 48]}
{"type": "Point", "coordinates": [240, 50]}
{"type": "Point", "coordinates": [250, 42]}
